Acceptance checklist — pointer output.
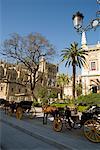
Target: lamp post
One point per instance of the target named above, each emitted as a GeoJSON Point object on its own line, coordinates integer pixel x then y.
{"type": "Point", "coordinates": [78, 21]}
{"type": "Point", "coordinates": [78, 24]}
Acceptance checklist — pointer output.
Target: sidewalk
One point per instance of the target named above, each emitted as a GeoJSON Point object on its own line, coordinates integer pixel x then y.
{"type": "Point", "coordinates": [42, 132]}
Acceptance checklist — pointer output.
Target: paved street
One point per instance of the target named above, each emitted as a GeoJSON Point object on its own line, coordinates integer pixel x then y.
{"type": "Point", "coordinates": [29, 134]}
{"type": "Point", "coordinates": [14, 139]}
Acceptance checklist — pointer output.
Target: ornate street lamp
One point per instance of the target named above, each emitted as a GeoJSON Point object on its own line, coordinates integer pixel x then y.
{"type": "Point", "coordinates": [78, 21]}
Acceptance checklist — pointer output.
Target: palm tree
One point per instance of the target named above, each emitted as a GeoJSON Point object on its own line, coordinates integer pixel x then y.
{"type": "Point", "coordinates": [74, 56]}
{"type": "Point", "coordinates": [62, 80]}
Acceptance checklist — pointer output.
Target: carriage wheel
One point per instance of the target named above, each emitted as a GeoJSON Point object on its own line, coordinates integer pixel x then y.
{"type": "Point", "coordinates": [19, 113]}
{"type": "Point", "coordinates": [92, 130]}
{"type": "Point", "coordinates": [57, 124]}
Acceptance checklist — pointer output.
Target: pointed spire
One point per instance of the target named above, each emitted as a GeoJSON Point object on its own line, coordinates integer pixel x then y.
{"type": "Point", "coordinates": [83, 41]}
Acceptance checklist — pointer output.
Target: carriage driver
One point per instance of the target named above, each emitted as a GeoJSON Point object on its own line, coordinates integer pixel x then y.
{"type": "Point", "coordinates": [68, 115]}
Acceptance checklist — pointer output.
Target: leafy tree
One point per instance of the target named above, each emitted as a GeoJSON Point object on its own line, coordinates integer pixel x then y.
{"type": "Point", "coordinates": [28, 51]}
{"type": "Point", "coordinates": [42, 92]}
{"type": "Point", "coordinates": [45, 94]}
{"type": "Point", "coordinates": [52, 94]}
{"type": "Point", "coordinates": [74, 56]}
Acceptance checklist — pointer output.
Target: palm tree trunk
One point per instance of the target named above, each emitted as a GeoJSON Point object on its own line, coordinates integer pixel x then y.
{"type": "Point", "coordinates": [61, 96]}
{"type": "Point", "coordinates": [74, 76]}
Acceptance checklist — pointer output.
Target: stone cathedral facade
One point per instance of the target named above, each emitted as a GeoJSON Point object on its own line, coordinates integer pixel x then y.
{"type": "Point", "coordinates": [17, 72]}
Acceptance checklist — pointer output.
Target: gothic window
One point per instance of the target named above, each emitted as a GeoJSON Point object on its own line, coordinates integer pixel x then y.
{"type": "Point", "coordinates": [41, 80]}
{"type": "Point", "coordinates": [93, 65]}
{"type": "Point", "coordinates": [19, 90]}
{"type": "Point", "coordinates": [12, 89]}
{"type": "Point", "coordinates": [49, 82]}
{"type": "Point", "coordinates": [1, 72]}
{"type": "Point", "coordinates": [25, 90]}
{"type": "Point", "coordinates": [53, 82]}
{"type": "Point", "coordinates": [12, 74]}
{"type": "Point", "coordinates": [1, 88]}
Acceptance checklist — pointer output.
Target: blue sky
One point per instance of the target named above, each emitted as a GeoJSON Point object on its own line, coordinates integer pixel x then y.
{"type": "Point", "coordinates": [51, 18]}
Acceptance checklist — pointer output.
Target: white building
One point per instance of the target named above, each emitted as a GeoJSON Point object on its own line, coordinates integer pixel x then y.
{"type": "Point", "coordinates": [90, 75]}
{"type": "Point", "coordinates": [91, 71]}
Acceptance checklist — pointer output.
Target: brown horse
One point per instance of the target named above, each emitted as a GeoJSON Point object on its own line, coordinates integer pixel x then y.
{"type": "Point", "coordinates": [52, 110]}
{"type": "Point", "coordinates": [49, 109]}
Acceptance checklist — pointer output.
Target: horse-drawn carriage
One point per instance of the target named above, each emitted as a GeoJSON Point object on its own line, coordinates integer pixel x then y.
{"type": "Point", "coordinates": [19, 108]}
{"type": "Point", "coordinates": [89, 121]}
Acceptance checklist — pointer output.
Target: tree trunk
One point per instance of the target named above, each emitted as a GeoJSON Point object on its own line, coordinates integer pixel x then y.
{"type": "Point", "coordinates": [61, 93]}
{"type": "Point", "coordinates": [74, 75]}
{"type": "Point", "coordinates": [33, 96]}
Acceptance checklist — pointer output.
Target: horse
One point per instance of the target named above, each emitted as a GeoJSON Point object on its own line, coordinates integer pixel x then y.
{"type": "Point", "coordinates": [52, 110]}
{"type": "Point", "coordinates": [9, 106]}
